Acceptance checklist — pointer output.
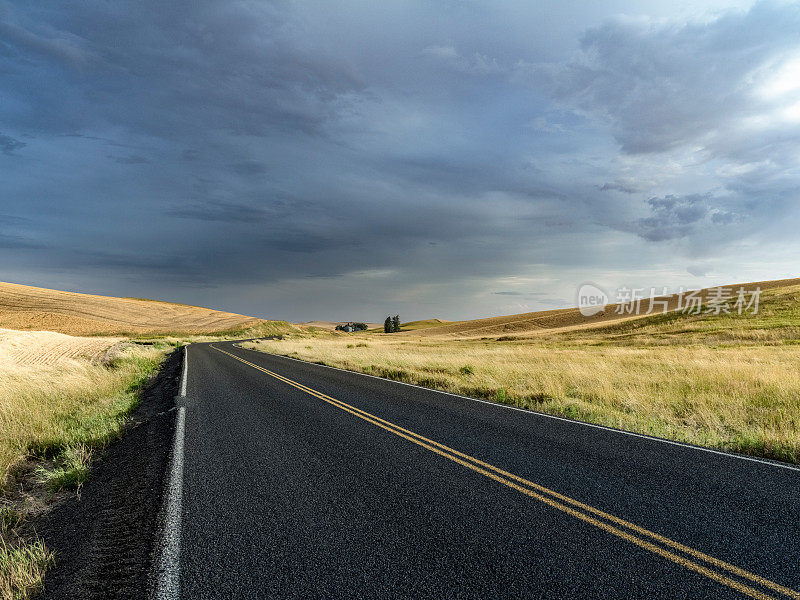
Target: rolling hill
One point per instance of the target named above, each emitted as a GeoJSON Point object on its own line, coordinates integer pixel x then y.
{"type": "Point", "coordinates": [567, 318]}
{"type": "Point", "coordinates": [423, 324]}
{"type": "Point", "coordinates": [24, 307]}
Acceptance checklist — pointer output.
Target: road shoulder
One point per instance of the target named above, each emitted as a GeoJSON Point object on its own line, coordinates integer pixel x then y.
{"type": "Point", "coordinates": [104, 539]}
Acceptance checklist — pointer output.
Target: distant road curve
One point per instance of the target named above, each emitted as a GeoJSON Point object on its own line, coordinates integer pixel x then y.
{"type": "Point", "coordinates": [300, 481]}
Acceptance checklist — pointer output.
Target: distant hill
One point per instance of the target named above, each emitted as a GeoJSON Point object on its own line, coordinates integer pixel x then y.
{"type": "Point", "coordinates": [328, 325]}
{"type": "Point", "coordinates": [423, 324]}
{"type": "Point", "coordinates": [24, 307]}
{"type": "Point", "coordinates": [566, 318]}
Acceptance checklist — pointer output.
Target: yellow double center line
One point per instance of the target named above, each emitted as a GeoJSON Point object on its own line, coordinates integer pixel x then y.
{"type": "Point", "coordinates": [676, 552]}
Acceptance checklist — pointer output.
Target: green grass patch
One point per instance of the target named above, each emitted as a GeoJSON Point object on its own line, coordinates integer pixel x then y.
{"type": "Point", "coordinates": [69, 471]}
{"type": "Point", "coordinates": [22, 567]}
{"type": "Point", "coordinates": [10, 519]}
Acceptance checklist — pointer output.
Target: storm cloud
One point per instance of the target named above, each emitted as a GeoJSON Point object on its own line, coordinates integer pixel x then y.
{"type": "Point", "coordinates": [304, 161]}
{"type": "Point", "coordinates": [8, 144]}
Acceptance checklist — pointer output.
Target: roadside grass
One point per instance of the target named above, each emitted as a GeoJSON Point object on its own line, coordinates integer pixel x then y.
{"type": "Point", "coordinates": [10, 519]}
{"type": "Point", "coordinates": [22, 565]}
{"type": "Point", "coordinates": [722, 382]}
{"type": "Point", "coordinates": [22, 568]}
{"type": "Point", "coordinates": [47, 410]}
{"type": "Point", "coordinates": [56, 414]}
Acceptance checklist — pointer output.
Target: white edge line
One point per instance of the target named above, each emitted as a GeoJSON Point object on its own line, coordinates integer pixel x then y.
{"type": "Point", "coordinates": [185, 371]}
{"type": "Point", "coordinates": [167, 584]}
{"type": "Point", "coordinates": [168, 571]}
{"type": "Point", "coordinates": [541, 414]}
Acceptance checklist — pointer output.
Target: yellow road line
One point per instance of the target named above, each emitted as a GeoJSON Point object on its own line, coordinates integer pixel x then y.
{"type": "Point", "coordinates": [556, 500]}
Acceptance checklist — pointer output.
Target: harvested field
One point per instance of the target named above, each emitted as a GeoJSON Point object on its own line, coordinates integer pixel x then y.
{"type": "Point", "coordinates": [49, 348]}
{"type": "Point", "coordinates": [31, 308]}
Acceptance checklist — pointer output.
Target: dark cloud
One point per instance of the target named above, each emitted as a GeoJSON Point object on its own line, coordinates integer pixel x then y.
{"type": "Point", "coordinates": [13, 220]}
{"type": "Point", "coordinates": [249, 167]}
{"type": "Point", "coordinates": [41, 39]}
{"type": "Point", "coordinates": [221, 212]}
{"type": "Point", "coordinates": [169, 71]}
{"type": "Point", "coordinates": [12, 242]}
{"type": "Point", "coordinates": [673, 216]}
{"type": "Point", "coordinates": [9, 145]}
{"type": "Point", "coordinates": [133, 159]}
{"type": "Point", "coordinates": [308, 163]}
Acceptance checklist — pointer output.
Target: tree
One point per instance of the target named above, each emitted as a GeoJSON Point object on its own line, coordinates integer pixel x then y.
{"type": "Point", "coordinates": [387, 325]}
{"type": "Point", "coordinates": [396, 323]}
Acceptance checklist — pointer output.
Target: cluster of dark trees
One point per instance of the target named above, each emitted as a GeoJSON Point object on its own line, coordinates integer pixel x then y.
{"type": "Point", "coordinates": [391, 324]}
{"type": "Point", "coordinates": [352, 327]}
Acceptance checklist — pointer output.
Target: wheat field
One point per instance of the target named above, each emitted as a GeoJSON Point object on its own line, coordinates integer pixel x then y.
{"type": "Point", "coordinates": [31, 308]}
{"type": "Point", "coordinates": [48, 347]}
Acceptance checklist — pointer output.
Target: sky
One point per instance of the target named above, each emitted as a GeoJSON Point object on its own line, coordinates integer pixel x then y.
{"type": "Point", "coordinates": [348, 160]}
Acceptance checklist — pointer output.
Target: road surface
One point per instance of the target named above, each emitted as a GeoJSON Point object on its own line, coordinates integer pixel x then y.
{"type": "Point", "coordinates": [301, 481]}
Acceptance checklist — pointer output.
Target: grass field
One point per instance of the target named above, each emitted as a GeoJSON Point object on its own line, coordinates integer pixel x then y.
{"type": "Point", "coordinates": [55, 412]}
{"type": "Point", "coordinates": [727, 381]}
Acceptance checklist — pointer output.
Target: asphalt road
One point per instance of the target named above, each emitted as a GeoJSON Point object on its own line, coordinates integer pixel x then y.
{"type": "Point", "coordinates": [301, 481]}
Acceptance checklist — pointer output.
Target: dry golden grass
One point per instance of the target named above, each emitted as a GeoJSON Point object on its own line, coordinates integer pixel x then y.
{"type": "Point", "coordinates": [60, 396]}
{"type": "Point", "coordinates": [45, 408]}
{"type": "Point", "coordinates": [726, 381]}
{"type": "Point", "coordinates": [30, 308]}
